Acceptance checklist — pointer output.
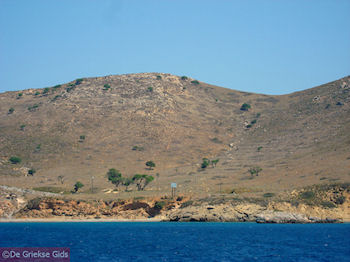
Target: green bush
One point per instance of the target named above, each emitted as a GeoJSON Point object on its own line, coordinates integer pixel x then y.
{"type": "Point", "coordinates": [195, 82]}
{"type": "Point", "coordinates": [150, 164]}
{"type": "Point", "coordinates": [245, 107]}
{"type": "Point", "coordinates": [55, 98]}
{"type": "Point", "coordinates": [57, 86]}
{"type": "Point", "coordinates": [137, 148]}
{"type": "Point", "coordinates": [186, 204]}
{"type": "Point", "coordinates": [253, 122]}
{"type": "Point", "coordinates": [11, 110]}
{"type": "Point", "coordinates": [77, 186]}
{"type": "Point", "coordinates": [46, 90]}
{"type": "Point", "coordinates": [31, 172]}
{"type": "Point", "coordinates": [269, 195]}
{"type": "Point", "coordinates": [159, 205]}
{"type": "Point", "coordinates": [82, 137]}
{"type": "Point", "coordinates": [150, 89]}
{"type": "Point", "coordinates": [159, 77]}
{"type": "Point", "coordinates": [19, 95]}
{"type": "Point", "coordinates": [328, 204]}
{"type": "Point", "coordinates": [106, 86]}
{"type": "Point", "coordinates": [22, 127]}
{"type": "Point", "coordinates": [33, 107]}
{"type": "Point", "coordinates": [255, 170]}
{"type": "Point", "coordinates": [79, 81]}
{"type": "Point", "coordinates": [259, 148]}
{"type": "Point", "coordinates": [70, 87]}
{"type": "Point", "coordinates": [340, 200]}
{"type": "Point", "coordinates": [249, 126]}
{"type": "Point", "coordinates": [205, 163]}
{"type": "Point", "coordinates": [184, 77]}
{"type": "Point", "coordinates": [15, 160]}
{"type": "Point", "coordinates": [307, 195]}
{"type": "Point", "coordinates": [37, 93]}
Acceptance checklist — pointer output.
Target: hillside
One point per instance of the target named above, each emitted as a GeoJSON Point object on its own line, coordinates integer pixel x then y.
{"type": "Point", "coordinates": [83, 128]}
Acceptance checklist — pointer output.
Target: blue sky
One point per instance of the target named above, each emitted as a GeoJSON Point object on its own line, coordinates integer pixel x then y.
{"type": "Point", "coordinates": [270, 46]}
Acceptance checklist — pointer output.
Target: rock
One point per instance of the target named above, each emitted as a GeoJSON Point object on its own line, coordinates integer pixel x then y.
{"type": "Point", "coordinates": [281, 217]}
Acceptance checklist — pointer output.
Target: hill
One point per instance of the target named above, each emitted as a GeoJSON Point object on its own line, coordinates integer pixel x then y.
{"type": "Point", "coordinates": [79, 130]}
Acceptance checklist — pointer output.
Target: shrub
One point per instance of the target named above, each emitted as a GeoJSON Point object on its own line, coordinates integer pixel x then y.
{"type": "Point", "coordinates": [328, 204]}
{"type": "Point", "coordinates": [339, 104]}
{"type": "Point", "coordinates": [259, 148]}
{"type": "Point", "coordinates": [186, 204]}
{"type": "Point", "coordinates": [22, 127]}
{"type": "Point", "coordinates": [11, 110]}
{"type": "Point", "coordinates": [205, 163]}
{"type": "Point", "coordinates": [249, 126]}
{"type": "Point", "coordinates": [137, 148]}
{"type": "Point", "coordinates": [31, 172]}
{"type": "Point", "coordinates": [184, 77]}
{"type": "Point", "coordinates": [70, 87]}
{"type": "Point", "coordinates": [253, 122]}
{"type": "Point", "coordinates": [216, 140]}
{"type": "Point", "coordinates": [106, 86]}
{"type": "Point", "coordinates": [19, 95]}
{"type": "Point", "coordinates": [159, 77]}
{"type": "Point", "coordinates": [77, 186]}
{"type": "Point", "coordinates": [33, 107]}
{"type": "Point", "coordinates": [268, 195]}
{"type": "Point", "coordinates": [15, 160]}
{"type": "Point", "coordinates": [79, 81]}
{"type": "Point", "coordinates": [258, 115]}
{"type": "Point", "coordinates": [159, 205]}
{"type": "Point", "coordinates": [340, 200]}
{"type": "Point", "coordinates": [82, 137]}
{"type": "Point", "coordinates": [55, 98]}
{"type": "Point", "coordinates": [150, 164]}
{"type": "Point", "coordinates": [307, 195]}
{"type": "Point", "coordinates": [245, 107]}
{"type": "Point", "coordinates": [37, 93]}
{"type": "Point", "coordinates": [195, 82]}
{"type": "Point", "coordinates": [57, 86]}
{"type": "Point", "coordinates": [150, 89]}
{"type": "Point", "coordinates": [255, 170]}
{"type": "Point", "coordinates": [46, 90]}
{"type": "Point", "coordinates": [115, 176]}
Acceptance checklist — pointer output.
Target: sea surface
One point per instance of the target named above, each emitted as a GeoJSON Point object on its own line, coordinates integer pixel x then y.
{"type": "Point", "coordinates": [160, 241]}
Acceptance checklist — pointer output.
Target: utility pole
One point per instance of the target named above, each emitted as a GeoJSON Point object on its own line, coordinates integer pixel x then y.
{"type": "Point", "coordinates": [92, 184]}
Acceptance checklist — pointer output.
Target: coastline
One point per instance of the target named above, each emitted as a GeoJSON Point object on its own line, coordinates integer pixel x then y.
{"type": "Point", "coordinates": [49, 220]}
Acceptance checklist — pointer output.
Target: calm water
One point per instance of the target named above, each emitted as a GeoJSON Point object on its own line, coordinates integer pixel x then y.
{"type": "Point", "coordinates": [106, 241]}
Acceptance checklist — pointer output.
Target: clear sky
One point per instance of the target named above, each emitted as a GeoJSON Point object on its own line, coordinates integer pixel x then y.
{"type": "Point", "coordinates": [263, 46]}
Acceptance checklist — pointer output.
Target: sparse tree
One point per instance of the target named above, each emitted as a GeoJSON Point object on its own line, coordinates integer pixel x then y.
{"type": "Point", "coordinates": [115, 177]}
{"type": "Point", "coordinates": [214, 162]}
{"type": "Point", "coordinates": [150, 164]}
{"type": "Point", "coordinates": [205, 163]}
{"type": "Point", "coordinates": [127, 182]}
{"type": "Point", "coordinates": [11, 110]}
{"type": "Point", "coordinates": [142, 181]}
{"type": "Point", "coordinates": [245, 107]}
{"type": "Point", "coordinates": [77, 186]}
{"type": "Point", "coordinates": [255, 170]}
{"type": "Point", "coordinates": [15, 160]}
{"type": "Point", "coordinates": [31, 172]}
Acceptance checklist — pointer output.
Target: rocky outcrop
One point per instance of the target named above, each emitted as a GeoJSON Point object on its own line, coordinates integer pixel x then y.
{"type": "Point", "coordinates": [249, 212]}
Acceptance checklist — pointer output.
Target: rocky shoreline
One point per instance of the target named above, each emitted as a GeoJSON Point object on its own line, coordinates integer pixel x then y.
{"type": "Point", "coordinates": [182, 209]}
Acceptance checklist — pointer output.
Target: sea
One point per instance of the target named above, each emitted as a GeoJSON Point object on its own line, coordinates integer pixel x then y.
{"type": "Point", "coordinates": [174, 241]}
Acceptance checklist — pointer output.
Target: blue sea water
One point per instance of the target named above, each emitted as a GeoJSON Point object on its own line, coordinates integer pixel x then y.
{"type": "Point", "coordinates": [159, 241]}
